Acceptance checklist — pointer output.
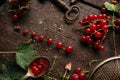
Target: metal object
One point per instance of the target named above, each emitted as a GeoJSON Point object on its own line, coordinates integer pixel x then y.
{"type": "Point", "coordinates": [109, 69]}
{"type": "Point", "coordinates": [85, 2]}
{"type": "Point", "coordinates": [69, 10]}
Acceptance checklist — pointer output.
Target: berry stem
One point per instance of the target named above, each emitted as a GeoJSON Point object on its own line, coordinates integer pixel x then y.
{"type": "Point", "coordinates": [9, 52]}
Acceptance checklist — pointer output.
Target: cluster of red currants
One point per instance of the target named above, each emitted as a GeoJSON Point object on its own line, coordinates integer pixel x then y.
{"type": "Point", "coordinates": [78, 75]}
{"type": "Point", "coordinates": [59, 45]}
{"type": "Point", "coordinates": [39, 66]}
{"type": "Point", "coordinates": [96, 29]}
{"type": "Point", "coordinates": [19, 8]}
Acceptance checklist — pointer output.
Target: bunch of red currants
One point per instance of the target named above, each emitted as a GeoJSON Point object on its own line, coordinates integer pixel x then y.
{"type": "Point", "coordinates": [96, 28]}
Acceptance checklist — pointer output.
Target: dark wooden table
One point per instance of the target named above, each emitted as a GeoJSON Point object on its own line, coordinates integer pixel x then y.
{"type": "Point", "coordinates": [48, 20]}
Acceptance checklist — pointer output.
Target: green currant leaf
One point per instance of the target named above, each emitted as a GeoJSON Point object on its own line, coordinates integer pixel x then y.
{"type": "Point", "coordinates": [11, 71]}
{"type": "Point", "coordinates": [109, 6]}
{"type": "Point", "coordinates": [117, 7]}
{"type": "Point", "coordinates": [25, 54]}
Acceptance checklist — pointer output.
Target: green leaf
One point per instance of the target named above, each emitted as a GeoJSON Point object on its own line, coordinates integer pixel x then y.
{"type": "Point", "coordinates": [117, 7]}
{"type": "Point", "coordinates": [109, 6]}
{"type": "Point", "coordinates": [11, 71]}
{"type": "Point", "coordinates": [25, 54]}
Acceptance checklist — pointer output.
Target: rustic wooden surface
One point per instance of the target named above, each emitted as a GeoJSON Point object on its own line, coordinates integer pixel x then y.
{"type": "Point", "coordinates": [48, 20]}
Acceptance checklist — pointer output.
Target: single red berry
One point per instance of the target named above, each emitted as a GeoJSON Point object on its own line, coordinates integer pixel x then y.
{"type": "Point", "coordinates": [100, 16]}
{"type": "Point", "coordinates": [90, 17]}
{"type": "Point", "coordinates": [39, 67]}
{"type": "Point", "coordinates": [59, 45]}
{"type": "Point", "coordinates": [83, 39]}
{"type": "Point", "coordinates": [85, 19]}
{"type": "Point", "coordinates": [98, 26]}
{"type": "Point", "coordinates": [25, 31]}
{"type": "Point", "coordinates": [93, 27]}
{"type": "Point", "coordinates": [89, 41]}
{"type": "Point", "coordinates": [96, 45]}
{"type": "Point", "coordinates": [88, 31]}
{"type": "Point", "coordinates": [75, 77]}
{"type": "Point", "coordinates": [50, 41]}
{"type": "Point", "coordinates": [78, 70]}
{"type": "Point", "coordinates": [82, 76]}
{"type": "Point", "coordinates": [69, 49]}
{"type": "Point", "coordinates": [81, 22]}
{"type": "Point", "coordinates": [103, 10]}
{"type": "Point", "coordinates": [15, 18]}
{"type": "Point", "coordinates": [104, 16]}
{"type": "Point", "coordinates": [108, 17]}
{"type": "Point", "coordinates": [101, 47]}
{"type": "Point", "coordinates": [103, 22]}
{"type": "Point", "coordinates": [41, 37]}
{"type": "Point", "coordinates": [117, 22]}
{"type": "Point", "coordinates": [98, 35]}
{"type": "Point", "coordinates": [105, 28]}
{"type": "Point", "coordinates": [33, 34]}
{"type": "Point", "coordinates": [104, 38]}
{"type": "Point", "coordinates": [95, 16]}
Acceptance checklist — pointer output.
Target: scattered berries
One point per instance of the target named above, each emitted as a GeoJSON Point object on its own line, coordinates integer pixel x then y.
{"type": "Point", "coordinates": [69, 49]}
{"type": "Point", "coordinates": [41, 37]}
{"type": "Point", "coordinates": [33, 34]}
{"type": "Point", "coordinates": [59, 45]}
{"type": "Point", "coordinates": [15, 18]}
{"type": "Point", "coordinates": [25, 31]}
{"type": "Point", "coordinates": [50, 41]}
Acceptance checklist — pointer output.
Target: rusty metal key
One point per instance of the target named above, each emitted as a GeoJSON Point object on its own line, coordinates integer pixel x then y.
{"type": "Point", "coordinates": [69, 10]}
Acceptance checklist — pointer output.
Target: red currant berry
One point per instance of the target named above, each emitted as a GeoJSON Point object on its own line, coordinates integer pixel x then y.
{"type": "Point", "coordinates": [98, 26]}
{"type": "Point", "coordinates": [33, 34]}
{"type": "Point", "coordinates": [117, 22]}
{"type": "Point", "coordinates": [82, 76]}
{"type": "Point", "coordinates": [108, 17]}
{"type": "Point", "coordinates": [78, 70]}
{"type": "Point", "coordinates": [81, 22]}
{"type": "Point", "coordinates": [103, 10]}
{"type": "Point", "coordinates": [88, 31]}
{"type": "Point", "coordinates": [101, 47]}
{"type": "Point", "coordinates": [39, 67]}
{"type": "Point", "coordinates": [15, 18]}
{"type": "Point", "coordinates": [95, 16]}
{"type": "Point", "coordinates": [83, 39]}
{"type": "Point", "coordinates": [85, 19]}
{"type": "Point", "coordinates": [59, 45]}
{"type": "Point", "coordinates": [25, 32]}
{"type": "Point", "coordinates": [105, 28]}
{"type": "Point", "coordinates": [35, 70]}
{"type": "Point", "coordinates": [41, 37]}
{"type": "Point", "coordinates": [93, 27]}
{"type": "Point", "coordinates": [104, 16]}
{"type": "Point", "coordinates": [89, 41]}
{"type": "Point", "coordinates": [100, 16]}
{"type": "Point", "coordinates": [103, 22]}
{"type": "Point", "coordinates": [74, 77]}
{"type": "Point", "coordinates": [96, 45]}
{"type": "Point", "coordinates": [69, 49]}
{"type": "Point", "coordinates": [50, 41]}
{"type": "Point", "coordinates": [98, 35]}
{"type": "Point", "coordinates": [90, 17]}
